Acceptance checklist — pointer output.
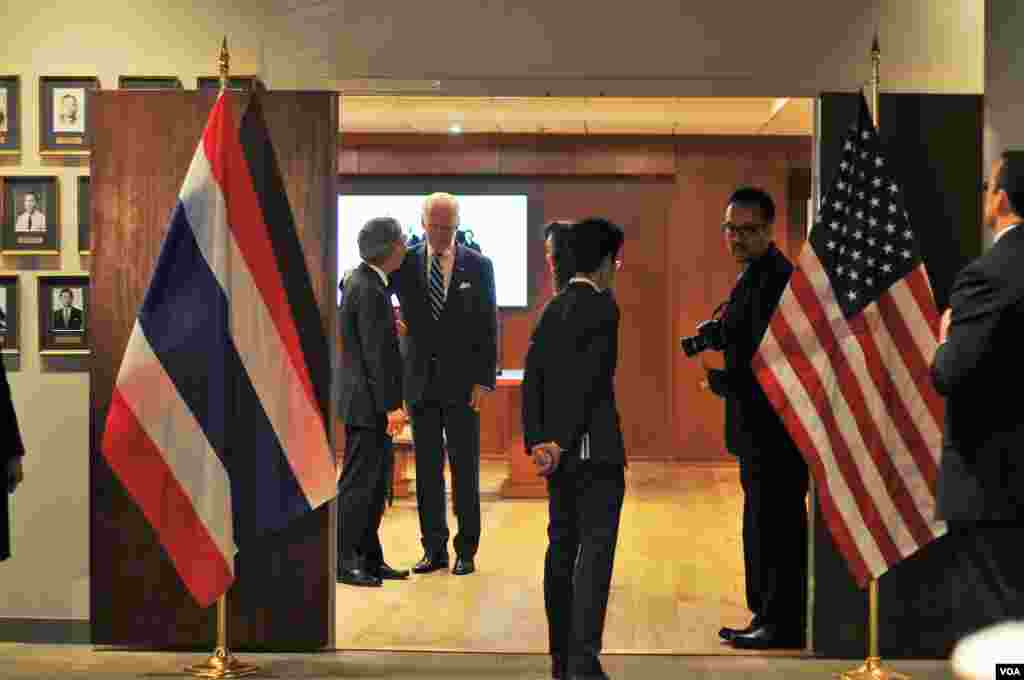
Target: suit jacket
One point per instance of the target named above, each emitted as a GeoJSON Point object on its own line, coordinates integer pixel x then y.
{"type": "Point", "coordinates": [371, 367]}
{"type": "Point", "coordinates": [978, 369]}
{"type": "Point", "coordinates": [74, 322]}
{"type": "Point", "coordinates": [464, 340]}
{"type": "Point", "coordinates": [751, 423]}
{"type": "Point", "coordinates": [11, 446]}
{"type": "Point", "coordinates": [569, 381]}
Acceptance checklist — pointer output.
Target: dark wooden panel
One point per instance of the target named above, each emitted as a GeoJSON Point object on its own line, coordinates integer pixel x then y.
{"type": "Point", "coordinates": [703, 272]}
{"type": "Point", "coordinates": [597, 158]}
{"type": "Point", "coordinates": [143, 144]}
{"type": "Point", "coordinates": [539, 157]}
{"type": "Point", "coordinates": [944, 591]}
{"type": "Point", "coordinates": [643, 380]}
{"type": "Point", "coordinates": [449, 159]}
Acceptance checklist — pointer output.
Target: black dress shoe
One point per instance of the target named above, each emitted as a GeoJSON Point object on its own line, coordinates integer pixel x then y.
{"type": "Point", "coordinates": [463, 566]}
{"type": "Point", "coordinates": [357, 577]}
{"type": "Point", "coordinates": [385, 572]}
{"type": "Point", "coordinates": [728, 634]}
{"type": "Point", "coordinates": [431, 563]}
{"type": "Point", "coordinates": [769, 636]}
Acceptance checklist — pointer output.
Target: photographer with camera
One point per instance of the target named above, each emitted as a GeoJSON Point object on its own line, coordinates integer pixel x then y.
{"type": "Point", "coordinates": [772, 471]}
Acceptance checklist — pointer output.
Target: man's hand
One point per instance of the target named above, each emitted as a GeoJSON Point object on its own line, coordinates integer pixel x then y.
{"type": "Point", "coordinates": [947, 318]}
{"type": "Point", "coordinates": [476, 397]}
{"type": "Point", "coordinates": [546, 457]}
{"type": "Point", "coordinates": [15, 475]}
{"type": "Point", "coordinates": [396, 421]}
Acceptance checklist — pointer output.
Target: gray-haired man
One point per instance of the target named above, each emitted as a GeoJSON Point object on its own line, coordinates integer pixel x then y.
{"type": "Point", "coordinates": [371, 397]}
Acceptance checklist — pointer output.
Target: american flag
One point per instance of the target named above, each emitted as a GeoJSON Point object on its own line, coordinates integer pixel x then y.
{"type": "Point", "coordinates": [845, 362]}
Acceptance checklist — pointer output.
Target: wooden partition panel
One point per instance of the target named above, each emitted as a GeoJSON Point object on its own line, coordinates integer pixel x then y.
{"type": "Point", "coordinates": [143, 144]}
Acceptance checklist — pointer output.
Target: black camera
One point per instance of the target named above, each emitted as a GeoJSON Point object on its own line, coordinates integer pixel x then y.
{"type": "Point", "coordinates": [710, 335]}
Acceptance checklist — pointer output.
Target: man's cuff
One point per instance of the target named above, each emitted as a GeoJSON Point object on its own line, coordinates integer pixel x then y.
{"type": "Point", "coordinates": [486, 388]}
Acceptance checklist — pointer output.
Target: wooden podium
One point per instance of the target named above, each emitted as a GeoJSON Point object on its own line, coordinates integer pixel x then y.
{"type": "Point", "coordinates": [523, 480]}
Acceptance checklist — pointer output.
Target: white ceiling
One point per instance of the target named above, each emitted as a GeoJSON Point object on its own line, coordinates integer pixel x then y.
{"type": "Point", "coordinates": [674, 48]}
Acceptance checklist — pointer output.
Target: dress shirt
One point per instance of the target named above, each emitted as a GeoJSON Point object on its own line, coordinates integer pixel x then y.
{"type": "Point", "coordinates": [35, 221]}
{"type": "Point", "coordinates": [998, 236]}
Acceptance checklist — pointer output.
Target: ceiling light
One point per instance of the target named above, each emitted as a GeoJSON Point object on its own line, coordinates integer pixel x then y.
{"type": "Point", "coordinates": [455, 129]}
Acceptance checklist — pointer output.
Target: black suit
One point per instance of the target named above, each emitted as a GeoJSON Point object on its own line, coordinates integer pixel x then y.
{"type": "Point", "coordinates": [569, 398]}
{"type": "Point", "coordinates": [981, 475]}
{"type": "Point", "coordinates": [444, 359]}
{"type": "Point", "coordinates": [10, 447]}
{"type": "Point", "coordinates": [371, 386]}
{"type": "Point", "coordinates": [74, 322]}
{"type": "Point", "coordinates": [772, 471]}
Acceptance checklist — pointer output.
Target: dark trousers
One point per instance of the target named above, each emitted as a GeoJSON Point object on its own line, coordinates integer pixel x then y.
{"type": "Point", "coordinates": [775, 538]}
{"type": "Point", "coordinates": [584, 505]}
{"type": "Point", "coordinates": [436, 419]}
{"type": "Point", "coordinates": [362, 491]}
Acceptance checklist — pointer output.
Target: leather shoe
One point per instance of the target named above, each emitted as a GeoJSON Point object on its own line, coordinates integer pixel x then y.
{"type": "Point", "coordinates": [385, 572]}
{"type": "Point", "coordinates": [357, 577]}
{"type": "Point", "coordinates": [463, 566]}
{"type": "Point", "coordinates": [769, 636]}
{"type": "Point", "coordinates": [728, 634]}
{"type": "Point", "coordinates": [431, 563]}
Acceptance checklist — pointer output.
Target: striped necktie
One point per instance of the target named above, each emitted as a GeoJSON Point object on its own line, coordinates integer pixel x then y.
{"type": "Point", "coordinates": [436, 287]}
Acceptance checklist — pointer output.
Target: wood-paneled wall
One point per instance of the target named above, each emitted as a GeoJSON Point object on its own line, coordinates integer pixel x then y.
{"type": "Point", "coordinates": [669, 195]}
{"type": "Point", "coordinates": [143, 145]}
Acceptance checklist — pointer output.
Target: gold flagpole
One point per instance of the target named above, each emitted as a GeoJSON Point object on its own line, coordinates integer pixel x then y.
{"type": "Point", "coordinates": [872, 668]}
{"type": "Point", "coordinates": [223, 663]}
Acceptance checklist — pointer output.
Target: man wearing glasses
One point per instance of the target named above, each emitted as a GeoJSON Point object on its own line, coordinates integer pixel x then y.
{"type": "Point", "coordinates": [772, 471]}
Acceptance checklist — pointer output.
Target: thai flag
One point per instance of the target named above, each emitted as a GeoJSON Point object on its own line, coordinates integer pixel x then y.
{"type": "Point", "coordinates": [216, 427]}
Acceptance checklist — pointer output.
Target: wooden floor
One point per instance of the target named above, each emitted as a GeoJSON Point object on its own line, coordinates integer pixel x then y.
{"type": "Point", "coordinates": [678, 573]}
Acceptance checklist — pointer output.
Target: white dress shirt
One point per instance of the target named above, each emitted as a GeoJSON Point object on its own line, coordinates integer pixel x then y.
{"type": "Point", "coordinates": [998, 236]}
{"type": "Point", "coordinates": [35, 221]}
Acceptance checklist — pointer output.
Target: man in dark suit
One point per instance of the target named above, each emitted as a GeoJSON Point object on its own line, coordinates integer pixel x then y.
{"type": "Point", "coordinates": [12, 450]}
{"type": "Point", "coordinates": [571, 429]}
{"type": "Point", "coordinates": [67, 318]}
{"type": "Point", "coordinates": [981, 476]}
{"type": "Point", "coordinates": [371, 397]}
{"type": "Point", "coordinates": [447, 297]}
{"type": "Point", "coordinates": [772, 472]}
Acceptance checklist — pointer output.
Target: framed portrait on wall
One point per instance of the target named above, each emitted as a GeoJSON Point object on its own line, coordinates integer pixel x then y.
{"type": "Point", "coordinates": [9, 327]}
{"type": "Point", "coordinates": [63, 118]}
{"type": "Point", "coordinates": [64, 314]}
{"type": "Point", "coordinates": [31, 216]}
{"type": "Point", "coordinates": [149, 83]}
{"type": "Point", "coordinates": [243, 83]}
{"type": "Point", "coordinates": [84, 216]}
{"type": "Point", "coordinates": [10, 115]}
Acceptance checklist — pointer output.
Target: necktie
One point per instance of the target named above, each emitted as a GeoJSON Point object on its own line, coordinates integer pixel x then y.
{"type": "Point", "coordinates": [67, 316]}
{"type": "Point", "coordinates": [436, 287]}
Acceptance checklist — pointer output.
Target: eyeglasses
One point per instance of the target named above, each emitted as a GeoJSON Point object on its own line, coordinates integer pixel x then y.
{"type": "Point", "coordinates": [742, 230]}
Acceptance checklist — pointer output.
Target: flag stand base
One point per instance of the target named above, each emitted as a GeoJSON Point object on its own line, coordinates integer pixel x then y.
{"type": "Point", "coordinates": [872, 670]}
{"type": "Point", "coordinates": [222, 664]}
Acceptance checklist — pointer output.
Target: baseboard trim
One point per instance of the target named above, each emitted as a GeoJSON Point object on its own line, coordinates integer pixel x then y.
{"type": "Point", "coordinates": [45, 631]}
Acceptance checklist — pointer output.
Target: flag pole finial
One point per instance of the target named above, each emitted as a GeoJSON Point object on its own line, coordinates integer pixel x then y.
{"type": "Point", "coordinates": [224, 63]}
{"type": "Point", "coordinates": [876, 79]}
